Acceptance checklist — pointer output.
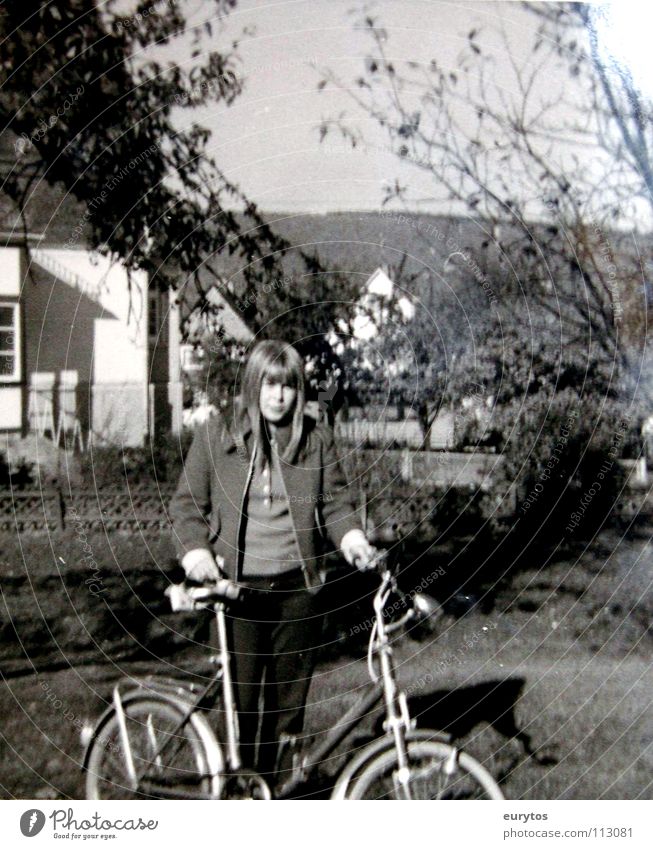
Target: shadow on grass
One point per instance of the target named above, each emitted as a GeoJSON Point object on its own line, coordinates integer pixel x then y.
{"type": "Point", "coordinates": [457, 713]}
{"type": "Point", "coordinates": [475, 573]}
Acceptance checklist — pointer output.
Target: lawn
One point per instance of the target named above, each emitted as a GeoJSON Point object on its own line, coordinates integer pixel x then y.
{"type": "Point", "coordinates": [560, 656]}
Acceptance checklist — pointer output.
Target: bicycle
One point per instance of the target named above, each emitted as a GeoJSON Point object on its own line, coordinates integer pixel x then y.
{"type": "Point", "coordinates": [155, 740]}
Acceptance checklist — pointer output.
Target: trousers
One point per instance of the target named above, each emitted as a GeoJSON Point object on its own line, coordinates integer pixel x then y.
{"type": "Point", "coordinates": [273, 646]}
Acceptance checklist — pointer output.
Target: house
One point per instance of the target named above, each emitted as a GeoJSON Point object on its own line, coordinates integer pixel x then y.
{"type": "Point", "coordinates": [87, 350]}
{"type": "Point", "coordinates": [385, 253]}
{"type": "Point", "coordinates": [387, 424]}
{"type": "Point", "coordinates": [91, 352]}
{"type": "Point", "coordinates": [372, 313]}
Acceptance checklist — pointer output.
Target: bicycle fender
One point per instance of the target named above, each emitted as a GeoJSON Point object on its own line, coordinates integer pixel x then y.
{"type": "Point", "coordinates": [212, 748]}
{"type": "Point", "coordinates": [176, 688]}
{"type": "Point", "coordinates": [376, 747]}
{"type": "Point", "coordinates": [139, 688]}
{"type": "Point", "coordinates": [136, 693]}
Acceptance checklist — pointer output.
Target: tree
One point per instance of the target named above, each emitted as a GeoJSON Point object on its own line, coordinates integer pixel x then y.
{"type": "Point", "coordinates": [552, 160]}
{"type": "Point", "coordinates": [622, 111]}
{"type": "Point", "coordinates": [623, 129]}
{"type": "Point", "coordinates": [409, 363]}
{"type": "Point", "coordinates": [301, 309]}
{"type": "Point", "coordinates": [91, 107]}
{"type": "Point", "coordinates": [86, 103]}
{"type": "Point", "coordinates": [550, 189]}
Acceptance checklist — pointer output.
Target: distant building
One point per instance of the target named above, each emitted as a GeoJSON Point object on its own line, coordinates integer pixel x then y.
{"type": "Point", "coordinates": [85, 350]}
{"type": "Point", "coordinates": [373, 312]}
{"type": "Point", "coordinates": [226, 323]}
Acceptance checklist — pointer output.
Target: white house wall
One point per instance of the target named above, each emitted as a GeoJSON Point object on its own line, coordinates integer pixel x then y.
{"type": "Point", "coordinates": [117, 361]}
{"type": "Point", "coordinates": [175, 386]}
{"type": "Point", "coordinates": [11, 407]}
{"type": "Point", "coordinates": [10, 272]}
{"type": "Point", "coordinates": [11, 397]}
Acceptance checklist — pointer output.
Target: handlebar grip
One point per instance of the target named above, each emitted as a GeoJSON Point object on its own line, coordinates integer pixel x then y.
{"type": "Point", "coordinates": [226, 588]}
{"type": "Point", "coordinates": [185, 597]}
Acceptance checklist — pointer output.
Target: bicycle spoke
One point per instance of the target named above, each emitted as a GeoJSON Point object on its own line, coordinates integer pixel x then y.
{"type": "Point", "coordinates": [168, 760]}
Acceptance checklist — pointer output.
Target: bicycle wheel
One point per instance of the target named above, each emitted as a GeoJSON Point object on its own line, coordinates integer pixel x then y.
{"type": "Point", "coordinates": [182, 769]}
{"type": "Point", "coordinates": [435, 771]}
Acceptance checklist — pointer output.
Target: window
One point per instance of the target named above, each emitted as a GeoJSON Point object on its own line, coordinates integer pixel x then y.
{"type": "Point", "coordinates": [9, 347]}
{"type": "Point", "coordinates": [158, 309]}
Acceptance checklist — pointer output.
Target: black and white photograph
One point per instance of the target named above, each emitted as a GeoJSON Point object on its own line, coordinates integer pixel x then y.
{"type": "Point", "coordinates": [374, 274]}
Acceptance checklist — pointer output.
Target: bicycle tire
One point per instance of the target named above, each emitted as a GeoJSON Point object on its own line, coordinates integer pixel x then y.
{"type": "Point", "coordinates": [364, 756]}
{"type": "Point", "coordinates": [183, 771]}
{"type": "Point", "coordinates": [437, 771]}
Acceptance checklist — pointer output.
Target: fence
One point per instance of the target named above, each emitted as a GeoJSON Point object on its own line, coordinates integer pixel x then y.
{"type": "Point", "coordinates": [119, 509]}
{"type": "Point", "coordinates": [408, 498]}
{"type": "Point", "coordinates": [381, 431]}
{"type": "Point", "coordinates": [144, 507]}
{"type": "Point", "coordinates": [77, 414]}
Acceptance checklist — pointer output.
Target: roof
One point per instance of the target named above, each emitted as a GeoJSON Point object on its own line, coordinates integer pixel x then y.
{"type": "Point", "coordinates": [233, 325]}
{"type": "Point", "coordinates": [53, 218]}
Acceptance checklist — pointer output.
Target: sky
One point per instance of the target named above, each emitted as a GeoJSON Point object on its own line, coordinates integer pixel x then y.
{"type": "Point", "coordinates": [268, 141]}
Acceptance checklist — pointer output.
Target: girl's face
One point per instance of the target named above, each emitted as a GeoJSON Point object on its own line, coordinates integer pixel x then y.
{"type": "Point", "coordinates": [277, 400]}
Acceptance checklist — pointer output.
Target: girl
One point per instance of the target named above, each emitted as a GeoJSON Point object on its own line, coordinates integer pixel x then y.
{"type": "Point", "coordinates": [261, 488]}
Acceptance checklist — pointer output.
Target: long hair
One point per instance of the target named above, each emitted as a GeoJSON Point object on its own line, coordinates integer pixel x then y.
{"type": "Point", "coordinates": [275, 360]}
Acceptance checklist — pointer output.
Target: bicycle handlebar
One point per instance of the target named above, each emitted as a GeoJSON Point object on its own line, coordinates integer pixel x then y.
{"type": "Point", "coordinates": [188, 597]}
{"type": "Point", "coordinates": [184, 597]}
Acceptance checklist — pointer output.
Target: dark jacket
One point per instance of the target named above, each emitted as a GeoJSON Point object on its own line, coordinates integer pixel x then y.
{"type": "Point", "coordinates": [207, 508]}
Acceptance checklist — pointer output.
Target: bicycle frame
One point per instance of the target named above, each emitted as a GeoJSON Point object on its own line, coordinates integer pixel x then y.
{"type": "Point", "coordinates": [233, 747]}
{"type": "Point", "coordinates": [372, 695]}
{"type": "Point", "coordinates": [190, 698]}
{"type": "Point", "coordinates": [398, 724]}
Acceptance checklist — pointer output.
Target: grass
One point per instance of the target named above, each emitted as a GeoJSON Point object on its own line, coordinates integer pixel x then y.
{"type": "Point", "coordinates": [572, 642]}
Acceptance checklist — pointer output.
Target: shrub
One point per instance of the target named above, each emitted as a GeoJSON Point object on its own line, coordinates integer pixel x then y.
{"type": "Point", "coordinates": [562, 455]}
{"type": "Point", "coordinates": [426, 511]}
{"type": "Point", "coordinates": [159, 461]}
{"type": "Point", "coordinates": [17, 475]}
